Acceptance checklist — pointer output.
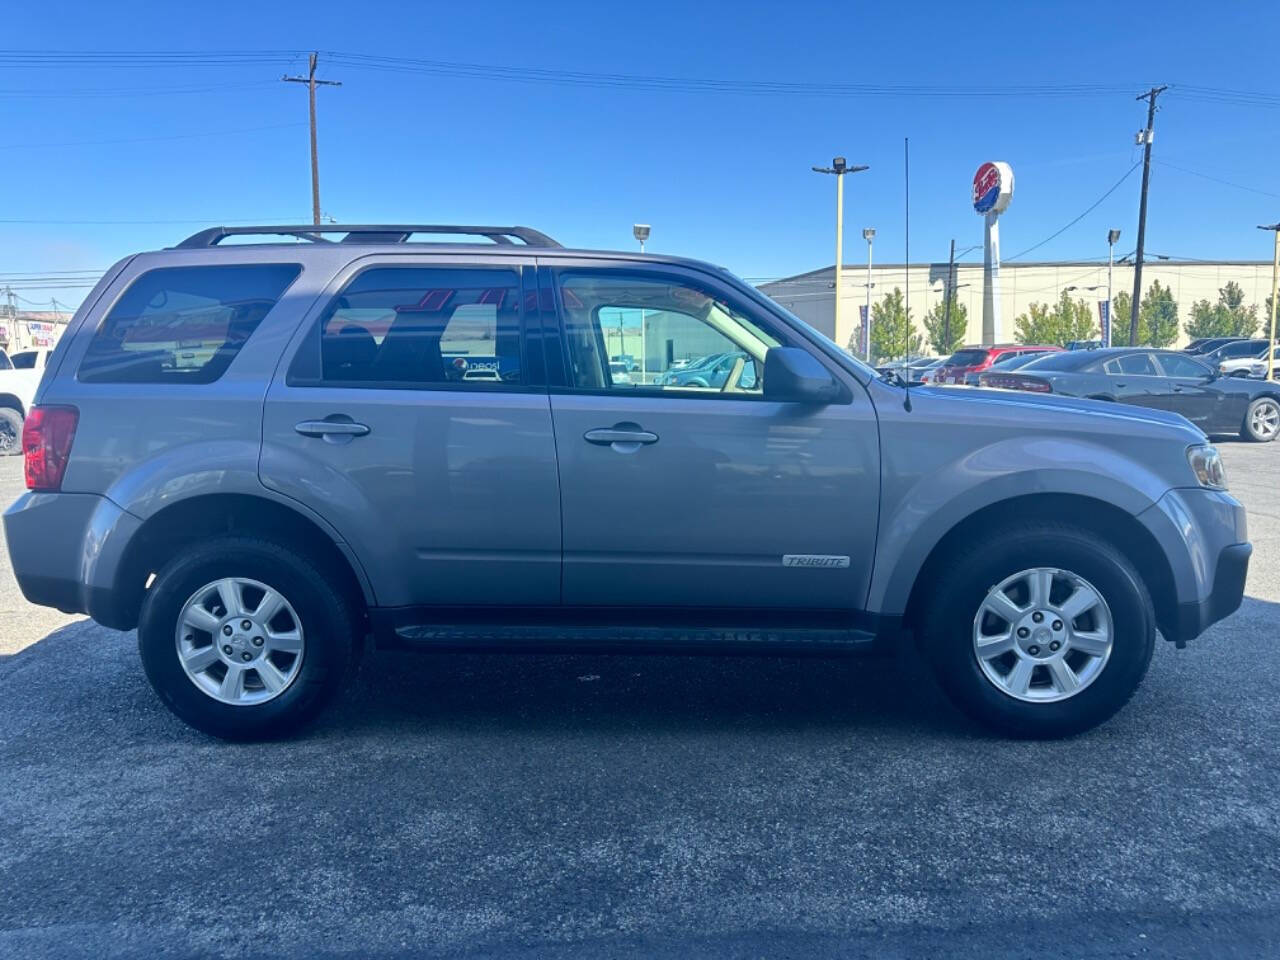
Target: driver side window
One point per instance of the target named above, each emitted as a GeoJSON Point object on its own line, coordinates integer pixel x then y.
{"type": "Point", "coordinates": [630, 333]}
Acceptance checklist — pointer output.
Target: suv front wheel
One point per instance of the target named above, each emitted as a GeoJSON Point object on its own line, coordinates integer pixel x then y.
{"type": "Point", "coordinates": [244, 639]}
{"type": "Point", "coordinates": [1039, 631]}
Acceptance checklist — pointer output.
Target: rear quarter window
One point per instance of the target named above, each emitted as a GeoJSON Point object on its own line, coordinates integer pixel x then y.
{"type": "Point", "coordinates": [183, 324]}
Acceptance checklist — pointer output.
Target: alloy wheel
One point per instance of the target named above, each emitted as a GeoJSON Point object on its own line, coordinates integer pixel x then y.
{"type": "Point", "coordinates": [1043, 635]}
{"type": "Point", "coordinates": [240, 641]}
{"type": "Point", "coordinates": [1264, 421]}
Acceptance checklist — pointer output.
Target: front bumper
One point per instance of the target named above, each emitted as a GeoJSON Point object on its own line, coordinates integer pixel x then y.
{"type": "Point", "coordinates": [1196, 616]}
{"type": "Point", "coordinates": [1204, 538]}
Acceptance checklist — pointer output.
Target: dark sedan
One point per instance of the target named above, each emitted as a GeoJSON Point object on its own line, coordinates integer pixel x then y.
{"type": "Point", "coordinates": [1164, 379]}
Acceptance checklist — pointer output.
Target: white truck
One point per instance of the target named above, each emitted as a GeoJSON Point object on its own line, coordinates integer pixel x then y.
{"type": "Point", "coordinates": [19, 376]}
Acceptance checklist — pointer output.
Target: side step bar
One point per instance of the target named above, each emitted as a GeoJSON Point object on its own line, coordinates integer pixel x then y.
{"type": "Point", "coordinates": [579, 638]}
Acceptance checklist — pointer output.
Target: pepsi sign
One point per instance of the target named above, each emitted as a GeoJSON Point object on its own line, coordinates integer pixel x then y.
{"type": "Point", "coordinates": [992, 188]}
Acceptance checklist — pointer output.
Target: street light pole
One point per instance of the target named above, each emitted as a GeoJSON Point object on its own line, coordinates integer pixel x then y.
{"type": "Point", "coordinates": [641, 232]}
{"type": "Point", "coordinates": [1275, 288]}
{"type": "Point", "coordinates": [868, 234]}
{"type": "Point", "coordinates": [1112, 237]}
{"type": "Point", "coordinates": [839, 167]}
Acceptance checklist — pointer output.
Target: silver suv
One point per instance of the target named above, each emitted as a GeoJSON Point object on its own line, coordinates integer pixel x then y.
{"type": "Point", "coordinates": [268, 455]}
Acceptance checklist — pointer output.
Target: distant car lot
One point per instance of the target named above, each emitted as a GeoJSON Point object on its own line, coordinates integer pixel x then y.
{"type": "Point", "coordinates": [576, 806]}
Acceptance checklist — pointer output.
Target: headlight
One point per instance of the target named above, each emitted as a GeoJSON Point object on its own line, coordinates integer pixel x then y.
{"type": "Point", "coordinates": [1206, 464]}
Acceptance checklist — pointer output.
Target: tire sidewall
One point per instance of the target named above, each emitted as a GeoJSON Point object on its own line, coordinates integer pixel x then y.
{"type": "Point", "coordinates": [14, 420]}
{"type": "Point", "coordinates": [326, 625]}
{"type": "Point", "coordinates": [949, 636]}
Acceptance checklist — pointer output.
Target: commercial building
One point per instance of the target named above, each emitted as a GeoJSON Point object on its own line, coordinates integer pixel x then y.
{"type": "Point", "coordinates": [811, 295]}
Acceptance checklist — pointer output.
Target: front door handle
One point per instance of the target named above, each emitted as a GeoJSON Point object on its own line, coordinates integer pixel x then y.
{"type": "Point", "coordinates": [333, 430]}
{"type": "Point", "coordinates": [622, 436]}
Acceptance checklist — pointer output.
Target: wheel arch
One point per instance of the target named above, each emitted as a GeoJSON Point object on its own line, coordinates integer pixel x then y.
{"type": "Point", "coordinates": [1107, 521]}
{"type": "Point", "coordinates": [207, 515]}
{"type": "Point", "coordinates": [14, 401]}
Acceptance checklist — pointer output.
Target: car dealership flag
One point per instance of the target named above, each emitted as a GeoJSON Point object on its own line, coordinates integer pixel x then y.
{"type": "Point", "coordinates": [862, 330]}
{"type": "Point", "coordinates": [1104, 317]}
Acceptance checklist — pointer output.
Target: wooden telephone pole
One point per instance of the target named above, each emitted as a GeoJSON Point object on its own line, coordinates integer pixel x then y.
{"type": "Point", "coordinates": [311, 82]}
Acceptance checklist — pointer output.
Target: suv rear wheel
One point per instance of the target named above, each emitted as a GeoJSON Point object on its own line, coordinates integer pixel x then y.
{"type": "Point", "coordinates": [1040, 631]}
{"type": "Point", "coordinates": [10, 431]}
{"type": "Point", "coordinates": [244, 639]}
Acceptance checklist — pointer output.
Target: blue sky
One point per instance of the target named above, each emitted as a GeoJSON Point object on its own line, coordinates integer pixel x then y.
{"type": "Point", "coordinates": [721, 174]}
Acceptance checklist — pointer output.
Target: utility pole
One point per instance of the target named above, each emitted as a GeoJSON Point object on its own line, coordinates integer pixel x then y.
{"type": "Point", "coordinates": [839, 167]}
{"type": "Point", "coordinates": [869, 235]}
{"type": "Point", "coordinates": [1275, 290]}
{"type": "Point", "coordinates": [946, 309]}
{"type": "Point", "coordinates": [311, 82]}
{"type": "Point", "coordinates": [1144, 137]}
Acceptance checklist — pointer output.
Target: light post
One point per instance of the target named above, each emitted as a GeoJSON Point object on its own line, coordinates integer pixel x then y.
{"type": "Point", "coordinates": [1275, 287]}
{"type": "Point", "coordinates": [839, 167]}
{"type": "Point", "coordinates": [641, 232]}
{"type": "Point", "coordinates": [869, 235]}
{"type": "Point", "coordinates": [1112, 237]}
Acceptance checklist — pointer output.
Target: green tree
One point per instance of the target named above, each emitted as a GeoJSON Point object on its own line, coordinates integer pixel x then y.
{"type": "Point", "coordinates": [892, 333]}
{"type": "Point", "coordinates": [1157, 317]}
{"type": "Point", "coordinates": [1121, 307]}
{"type": "Point", "coordinates": [1229, 317]}
{"type": "Point", "coordinates": [935, 325]}
{"type": "Point", "coordinates": [1059, 324]}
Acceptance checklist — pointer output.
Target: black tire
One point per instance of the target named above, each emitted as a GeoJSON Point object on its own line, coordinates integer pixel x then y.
{"type": "Point", "coordinates": [10, 432]}
{"type": "Point", "coordinates": [1247, 430]}
{"type": "Point", "coordinates": [967, 576]}
{"type": "Point", "coordinates": [327, 618]}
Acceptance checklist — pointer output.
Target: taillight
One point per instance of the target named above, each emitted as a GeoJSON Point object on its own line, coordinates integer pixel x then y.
{"type": "Point", "coordinates": [47, 434]}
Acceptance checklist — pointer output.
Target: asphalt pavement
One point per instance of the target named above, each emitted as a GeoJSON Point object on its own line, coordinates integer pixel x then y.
{"type": "Point", "coordinates": [591, 806]}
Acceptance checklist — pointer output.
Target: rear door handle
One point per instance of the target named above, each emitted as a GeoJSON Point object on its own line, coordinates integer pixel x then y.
{"type": "Point", "coordinates": [623, 435]}
{"type": "Point", "coordinates": [335, 431]}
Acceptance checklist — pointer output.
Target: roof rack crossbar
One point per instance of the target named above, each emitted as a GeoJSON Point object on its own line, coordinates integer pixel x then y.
{"type": "Point", "coordinates": [369, 233]}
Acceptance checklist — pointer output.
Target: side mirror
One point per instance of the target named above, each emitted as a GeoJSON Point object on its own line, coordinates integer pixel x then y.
{"type": "Point", "coordinates": [792, 375]}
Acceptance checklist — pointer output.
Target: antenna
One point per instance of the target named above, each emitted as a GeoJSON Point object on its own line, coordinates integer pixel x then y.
{"type": "Point", "coordinates": [906, 310]}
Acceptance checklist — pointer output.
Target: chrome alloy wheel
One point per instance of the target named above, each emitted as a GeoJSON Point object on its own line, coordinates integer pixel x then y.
{"type": "Point", "coordinates": [1264, 421]}
{"type": "Point", "coordinates": [240, 641]}
{"type": "Point", "coordinates": [1043, 635]}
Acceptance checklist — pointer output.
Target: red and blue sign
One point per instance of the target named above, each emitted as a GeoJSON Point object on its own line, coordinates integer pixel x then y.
{"type": "Point", "coordinates": [986, 188]}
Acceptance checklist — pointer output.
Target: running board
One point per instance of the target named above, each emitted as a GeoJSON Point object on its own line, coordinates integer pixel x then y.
{"type": "Point", "coordinates": [550, 638]}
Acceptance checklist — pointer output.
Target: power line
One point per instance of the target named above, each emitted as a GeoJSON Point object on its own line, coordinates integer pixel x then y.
{"type": "Point", "coordinates": [175, 136]}
{"type": "Point", "coordinates": [1225, 183]}
{"type": "Point", "coordinates": [1088, 210]}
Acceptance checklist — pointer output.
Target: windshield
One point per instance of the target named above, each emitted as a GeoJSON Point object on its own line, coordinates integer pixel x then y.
{"type": "Point", "coordinates": [966, 358]}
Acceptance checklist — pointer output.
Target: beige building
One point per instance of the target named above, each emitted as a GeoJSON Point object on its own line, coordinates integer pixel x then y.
{"type": "Point", "coordinates": [810, 295]}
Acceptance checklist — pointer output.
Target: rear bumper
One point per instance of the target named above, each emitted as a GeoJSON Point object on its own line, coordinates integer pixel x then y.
{"type": "Point", "coordinates": [66, 549]}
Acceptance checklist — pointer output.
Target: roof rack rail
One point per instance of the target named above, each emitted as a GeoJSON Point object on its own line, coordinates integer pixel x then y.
{"type": "Point", "coordinates": [367, 233]}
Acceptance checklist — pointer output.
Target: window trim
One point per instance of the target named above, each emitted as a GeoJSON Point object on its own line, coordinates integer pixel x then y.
{"type": "Point", "coordinates": [660, 272]}
{"type": "Point", "coordinates": [1151, 357]}
{"type": "Point", "coordinates": [310, 337]}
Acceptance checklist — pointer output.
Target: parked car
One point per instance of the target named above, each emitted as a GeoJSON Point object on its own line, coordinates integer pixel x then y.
{"type": "Point", "coordinates": [715, 372]}
{"type": "Point", "coordinates": [19, 377]}
{"type": "Point", "coordinates": [1160, 379]}
{"type": "Point", "coordinates": [1236, 358]}
{"type": "Point", "coordinates": [1010, 361]}
{"type": "Point", "coordinates": [619, 372]}
{"type": "Point", "coordinates": [911, 370]}
{"type": "Point", "coordinates": [629, 363]}
{"type": "Point", "coordinates": [1258, 368]}
{"type": "Point", "coordinates": [1202, 345]}
{"type": "Point", "coordinates": [977, 359]}
{"type": "Point", "coordinates": [1084, 344]}
{"type": "Point", "coordinates": [319, 474]}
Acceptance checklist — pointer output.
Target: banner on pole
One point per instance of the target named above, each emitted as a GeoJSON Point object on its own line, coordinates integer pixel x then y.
{"type": "Point", "coordinates": [862, 330]}
{"type": "Point", "coordinates": [1104, 319]}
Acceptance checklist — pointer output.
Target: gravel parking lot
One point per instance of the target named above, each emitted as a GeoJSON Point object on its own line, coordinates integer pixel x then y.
{"type": "Point", "coordinates": [644, 806]}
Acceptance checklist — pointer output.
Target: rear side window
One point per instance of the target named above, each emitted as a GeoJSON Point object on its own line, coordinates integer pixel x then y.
{"type": "Point", "coordinates": [420, 327]}
{"type": "Point", "coordinates": [25, 360]}
{"type": "Point", "coordinates": [183, 324]}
